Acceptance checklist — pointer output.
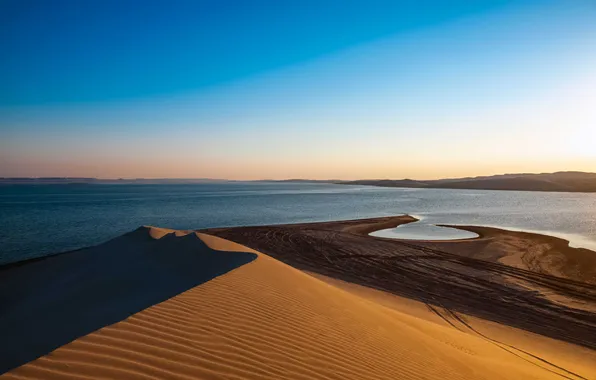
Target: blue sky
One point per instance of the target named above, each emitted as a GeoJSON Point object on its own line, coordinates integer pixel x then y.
{"type": "Point", "coordinates": [317, 89]}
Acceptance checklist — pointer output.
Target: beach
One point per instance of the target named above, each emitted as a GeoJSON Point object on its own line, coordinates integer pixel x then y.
{"type": "Point", "coordinates": [303, 301]}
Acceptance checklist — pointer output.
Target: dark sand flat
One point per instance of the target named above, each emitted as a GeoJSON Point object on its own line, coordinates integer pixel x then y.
{"type": "Point", "coordinates": [529, 281]}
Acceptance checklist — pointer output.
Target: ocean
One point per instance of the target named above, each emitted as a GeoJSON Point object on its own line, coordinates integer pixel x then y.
{"type": "Point", "coordinates": [37, 220]}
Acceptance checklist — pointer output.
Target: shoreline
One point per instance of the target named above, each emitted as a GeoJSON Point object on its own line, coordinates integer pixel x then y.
{"type": "Point", "coordinates": [531, 260]}
{"type": "Point", "coordinates": [486, 230]}
{"type": "Point", "coordinates": [525, 280]}
{"type": "Point", "coordinates": [482, 231]}
{"type": "Point", "coordinates": [425, 240]}
{"type": "Point", "coordinates": [364, 227]}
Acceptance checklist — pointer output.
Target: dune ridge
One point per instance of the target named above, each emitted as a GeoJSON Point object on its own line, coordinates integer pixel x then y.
{"type": "Point", "coordinates": [49, 303]}
{"type": "Point", "coordinates": [267, 320]}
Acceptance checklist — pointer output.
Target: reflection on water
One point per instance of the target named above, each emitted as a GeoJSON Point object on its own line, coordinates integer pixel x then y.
{"type": "Point", "coordinates": [424, 231]}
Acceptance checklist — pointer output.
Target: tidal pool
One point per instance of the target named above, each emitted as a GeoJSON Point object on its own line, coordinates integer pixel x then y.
{"type": "Point", "coordinates": [424, 231]}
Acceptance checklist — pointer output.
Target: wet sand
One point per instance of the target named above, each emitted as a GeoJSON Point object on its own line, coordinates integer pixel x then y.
{"type": "Point", "coordinates": [533, 282]}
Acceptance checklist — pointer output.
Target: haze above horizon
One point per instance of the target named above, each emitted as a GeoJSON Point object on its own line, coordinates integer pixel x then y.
{"type": "Point", "coordinates": [343, 90]}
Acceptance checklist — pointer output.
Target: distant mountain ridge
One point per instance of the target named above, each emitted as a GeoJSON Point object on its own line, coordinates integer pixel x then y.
{"type": "Point", "coordinates": [570, 181]}
{"type": "Point", "coordinates": [558, 182]}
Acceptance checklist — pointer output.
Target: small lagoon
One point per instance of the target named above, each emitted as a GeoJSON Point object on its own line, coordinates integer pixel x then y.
{"type": "Point", "coordinates": [423, 230]}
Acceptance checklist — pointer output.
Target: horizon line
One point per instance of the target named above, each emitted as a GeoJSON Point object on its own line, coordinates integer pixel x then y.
{"type": "Point", "coordinates": [277, 180]}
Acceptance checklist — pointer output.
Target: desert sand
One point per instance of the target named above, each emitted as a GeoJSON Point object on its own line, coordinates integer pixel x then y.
{"type": "Point", "coordinates": [260, 318]}
{"type": "Point", "coordinates": [472, 282]}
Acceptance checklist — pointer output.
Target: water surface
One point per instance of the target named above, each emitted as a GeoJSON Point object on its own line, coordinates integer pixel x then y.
{"type": "Point", "coordinates": [423, 230]}
{"type": "Point", "coordinates": [36, 220]}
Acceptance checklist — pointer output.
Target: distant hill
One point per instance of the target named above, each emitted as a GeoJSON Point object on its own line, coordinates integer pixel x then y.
{"type": "Point", "coordinates": [560, 181]}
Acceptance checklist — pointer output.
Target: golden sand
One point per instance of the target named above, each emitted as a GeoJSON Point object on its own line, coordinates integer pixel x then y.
{"type": "Point", "coordinates": [267, 320]}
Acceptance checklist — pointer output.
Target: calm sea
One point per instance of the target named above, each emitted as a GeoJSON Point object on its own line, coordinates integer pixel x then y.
{"type": "Point", "coordinates": [36, 220]}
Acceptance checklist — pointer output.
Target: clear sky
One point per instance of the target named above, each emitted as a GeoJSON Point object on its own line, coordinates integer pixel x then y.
{"type": "Point", "coordinates": [286, 89]}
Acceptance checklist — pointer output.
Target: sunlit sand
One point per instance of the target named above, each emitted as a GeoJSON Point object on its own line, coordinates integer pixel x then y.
{"type": "Point", "coordinates": [267, 320]}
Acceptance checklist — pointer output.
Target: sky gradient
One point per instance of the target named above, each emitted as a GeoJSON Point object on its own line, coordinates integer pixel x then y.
{"type": "Point", "coordinates": [309, 89]}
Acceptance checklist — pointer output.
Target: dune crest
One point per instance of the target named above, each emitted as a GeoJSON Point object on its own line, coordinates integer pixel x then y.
{"type": "Point", "coordinates": [159, 232]}
{"type": "Point", "coordinates": [49, 303]}
{"type": "Point", "coordinates": [267, 320]}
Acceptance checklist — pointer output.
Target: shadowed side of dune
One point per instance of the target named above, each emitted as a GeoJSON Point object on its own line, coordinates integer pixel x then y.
{"type": "Point", "coordinates": [269, 321]}
{"type": "Point", "coordinates": [49, 303]}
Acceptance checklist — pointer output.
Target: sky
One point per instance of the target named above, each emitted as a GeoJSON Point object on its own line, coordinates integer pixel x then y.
{"type": "Point", "coordinates": [296, 89]}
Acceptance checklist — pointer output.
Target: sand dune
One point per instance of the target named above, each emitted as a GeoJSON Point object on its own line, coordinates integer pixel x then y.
{"type": "Point", "coordinates": [464, 278]}
{"type": "Point", "coordinates": [267, 320]}
{"type": "Point", "coordinates": [48, 303]}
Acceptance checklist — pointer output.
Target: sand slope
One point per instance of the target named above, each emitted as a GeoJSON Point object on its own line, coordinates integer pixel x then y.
{"type": "Point", "coordinates": [45, 304]}
{"type": "Point", "coordinates": [266, 320]}
{"type": "Point", "coordinates": [560, 308]}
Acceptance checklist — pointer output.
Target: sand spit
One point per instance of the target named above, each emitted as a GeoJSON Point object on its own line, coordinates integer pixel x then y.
{"type": "Point", "coordinates": [267, 320]}
{"type": "Point", "coordinates": [534, 252]}
{"type": "Point", "coordinates": [461, 276]}
{"type": "Point", "coordinates": [48, 303]}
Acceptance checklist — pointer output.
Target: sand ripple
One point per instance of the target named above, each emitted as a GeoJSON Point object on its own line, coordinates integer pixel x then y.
{"type": "Point", "coordinates": [267, 320]}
